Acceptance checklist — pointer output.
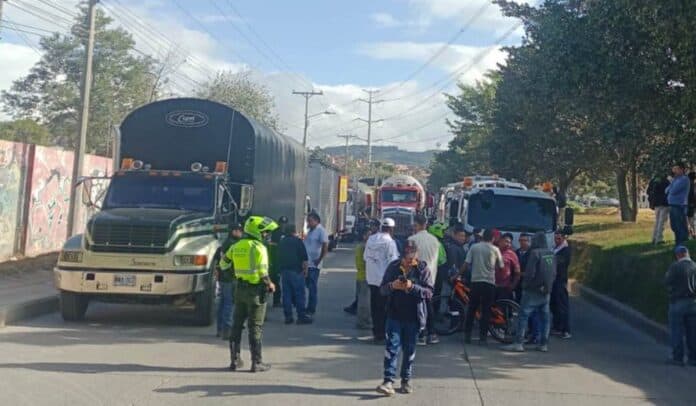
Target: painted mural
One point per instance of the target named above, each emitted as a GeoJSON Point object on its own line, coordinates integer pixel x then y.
{"type": "Point", "coordinates": [13, 157]}
{"type": "Point", "coordinates": [50, 200]}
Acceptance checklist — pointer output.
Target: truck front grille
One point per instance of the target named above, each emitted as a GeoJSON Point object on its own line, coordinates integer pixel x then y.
{"type": "Point", "coordinates": [403, 224]}
{"type": "Point", "coordinates": [107, 237]}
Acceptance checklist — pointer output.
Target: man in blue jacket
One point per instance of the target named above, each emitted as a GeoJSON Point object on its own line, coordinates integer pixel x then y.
{"type": "Point", "coordinates": [406, 284]}
{"type": "Point", "coordinates": [677, 198]}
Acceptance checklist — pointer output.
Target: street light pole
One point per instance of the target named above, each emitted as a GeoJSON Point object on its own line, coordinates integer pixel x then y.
{"type": "Point", "coordinates": [79, 159]}
{"type": "Point", "coordinates": [307, 96]}
{"type": "Point", "coordinates": [347, 137]}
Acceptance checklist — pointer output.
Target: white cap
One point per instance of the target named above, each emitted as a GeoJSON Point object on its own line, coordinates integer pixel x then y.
{"type": "Point", "coordinates": [388, 222]}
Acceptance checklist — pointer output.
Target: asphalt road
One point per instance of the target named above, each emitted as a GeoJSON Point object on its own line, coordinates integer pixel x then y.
{"type": "Point", "coordinates": [139, 355]}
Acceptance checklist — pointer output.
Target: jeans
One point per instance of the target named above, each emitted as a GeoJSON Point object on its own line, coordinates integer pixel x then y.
{"type": "Point", "coordinates": [401, 337]}
{"type": "Point", "coordinates": [661, 216]}
{"type": "Point", "coordinates": [224, 313]}
{"type": "Point", "coordinates": [378, 310]}
{"type": "Point", "coordinates": [679, 311]}
{"type": "Point", "coordinates": [293, 293]}
{"type": "Point", "coordinates": [364, 316]}
{"type": "Point", "coordinates": [677, 220]}
{"type": "Point", "coordinates": [312, 283]}
{"type": "Point", "coordinates": [560, 306]}
{"type": "Point", "coordinates": [482, 296]}
{"type": "Point", "coordinates": [534, 303]}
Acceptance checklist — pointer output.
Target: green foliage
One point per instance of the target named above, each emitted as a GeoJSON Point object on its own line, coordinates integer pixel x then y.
{"type": "Point", "coordinates": [239, 91]}
{"type": "Point", "coordinates": [468, 152]}
{"type": "Point", "coordinates": [26, 131]}
{"type": "Point", "coordinates": [51, 91]}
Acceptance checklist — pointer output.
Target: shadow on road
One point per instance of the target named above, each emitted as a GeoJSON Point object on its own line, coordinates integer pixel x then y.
{"type": "Point", "coordinates": [251, 390]}
{"type": "Point", "coordinates": [603, 349]}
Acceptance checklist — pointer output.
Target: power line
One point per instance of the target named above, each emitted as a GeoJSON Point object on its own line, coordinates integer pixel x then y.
{"type": "Point", "coordinates": [51, 16]}
{"type": "Point", "coordinates": [154, 37]}
{"type": "Point", "coordinates": [58, 8]}
{"type": "Point", "coordinates": [442, 49]}
{"type": "Point", "coordinates": [27, 27]}
{"type": "Point", "coordinates": [37, 15]}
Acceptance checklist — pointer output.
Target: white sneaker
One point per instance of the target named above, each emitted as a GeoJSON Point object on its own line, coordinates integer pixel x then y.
{"type": "Point", "coordinates": [543, 348]}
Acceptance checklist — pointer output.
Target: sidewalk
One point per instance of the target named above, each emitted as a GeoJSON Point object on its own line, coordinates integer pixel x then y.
{"type": "Point", "coordinates": [26, 293]}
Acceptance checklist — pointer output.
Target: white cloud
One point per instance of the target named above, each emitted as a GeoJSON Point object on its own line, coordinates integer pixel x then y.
{"type": "Point", "coordinates": [16, 60]}
{"type": "Point", "coordinates": [385, 20]}
{"type": "Point", "coordinates": [488, 15]}
{"type": "Point", "coordinates": [472, 61]}
{"type": "Point", "coordinates": [218, 18]}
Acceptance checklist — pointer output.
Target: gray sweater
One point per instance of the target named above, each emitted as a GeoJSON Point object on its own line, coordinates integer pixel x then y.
{"type": "Point", "coordinates": [540, 271]}
{"type": "Point", "coordinates": [678, 278]}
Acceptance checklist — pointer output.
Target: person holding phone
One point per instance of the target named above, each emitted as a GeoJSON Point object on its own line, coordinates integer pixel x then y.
{"type": "Point", "coordinates": [407, 286]}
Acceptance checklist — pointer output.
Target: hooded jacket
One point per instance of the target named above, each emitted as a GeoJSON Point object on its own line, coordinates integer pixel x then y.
{"type": "Point", "coordinates": [540, 271]}
{"type": "Point", "coordinates": [413, 300]}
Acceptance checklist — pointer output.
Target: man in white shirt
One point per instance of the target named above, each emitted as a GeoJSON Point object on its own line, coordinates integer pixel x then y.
{"type": "Point", "coordinates": [380, 251]}
{"type": "Point", "coordinates": [428, 248]}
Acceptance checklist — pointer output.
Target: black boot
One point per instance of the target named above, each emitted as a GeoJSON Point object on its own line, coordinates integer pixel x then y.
{"type": "Point", "coordinates": [235, 356]}
{"type": "Point", "coordinates": [257, 364]}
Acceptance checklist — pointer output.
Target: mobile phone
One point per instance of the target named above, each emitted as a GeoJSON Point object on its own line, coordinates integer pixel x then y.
{"type": "Point", "coordinates": [402, 278]}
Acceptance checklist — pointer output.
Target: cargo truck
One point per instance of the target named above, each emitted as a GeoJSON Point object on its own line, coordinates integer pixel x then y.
{"type": "Point", "coordinates": [323, 187]}
{"type": "Point", "coordinates": [401, 197]}
{"type": "Point", "coordinates": [186, 169]}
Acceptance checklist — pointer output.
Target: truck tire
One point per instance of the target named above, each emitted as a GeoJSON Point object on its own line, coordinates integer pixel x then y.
{"type": "Point", "coordinates": [205, 304]}
{"type": "Point", "coordinates": [73, 306]}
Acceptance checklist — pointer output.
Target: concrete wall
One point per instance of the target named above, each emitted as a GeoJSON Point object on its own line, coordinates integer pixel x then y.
{"type": "Point", "coordinates": [35, 184]}
{"type": "Point", "coordinates": [13, 168]}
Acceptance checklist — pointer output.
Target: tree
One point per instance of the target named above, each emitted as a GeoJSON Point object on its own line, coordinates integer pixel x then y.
{"type": "Point", "coordinates": [467, 153]}
{"type": "Point", "coordinates": [50, 93]}
{"type": "Point", "coordinates": [26, 131]}
{"type": "Point", "coordinates": [539, 134]}
{"type": "Point", "coordinates": [239, 91]}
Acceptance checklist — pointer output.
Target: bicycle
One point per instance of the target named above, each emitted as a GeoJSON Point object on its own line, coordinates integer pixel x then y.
{"type": "Point", "coordinates": [451, 312]}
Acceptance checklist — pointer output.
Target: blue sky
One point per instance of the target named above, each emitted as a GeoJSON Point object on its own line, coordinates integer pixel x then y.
{"type": "Point", "coordinates": [339, 47]}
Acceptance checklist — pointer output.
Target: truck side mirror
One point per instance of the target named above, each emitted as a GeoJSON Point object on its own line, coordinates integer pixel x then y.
{"type": "Point", "coordinates": [86, 184]}
{"type": "Point", "coordinates": [246, 199]}
{"type": "Point", "coordinates": [569, 216]}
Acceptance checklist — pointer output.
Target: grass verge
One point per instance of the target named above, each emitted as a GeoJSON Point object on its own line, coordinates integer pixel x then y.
{"type": "Point", "coordinates": [618, 259]}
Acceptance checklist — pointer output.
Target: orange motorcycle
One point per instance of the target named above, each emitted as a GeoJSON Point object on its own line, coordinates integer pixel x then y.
{"type": "Point", "coordinates": [451, 312]}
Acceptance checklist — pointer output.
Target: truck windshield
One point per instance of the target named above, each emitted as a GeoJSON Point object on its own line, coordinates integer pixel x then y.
{"type": "Point", "coordinates": [399, 196]}
{"type": "Point", "coordinates": [178, 193]}
{"type": "Point", "coordinates": [512, 213]}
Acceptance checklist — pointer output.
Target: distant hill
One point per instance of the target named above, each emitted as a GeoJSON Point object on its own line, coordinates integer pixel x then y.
{"type": "Point", "coordinates": [385, 154]}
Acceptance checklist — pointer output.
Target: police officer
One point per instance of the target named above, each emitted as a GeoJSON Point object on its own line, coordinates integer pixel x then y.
{"type": "Point", "coordinates": [249, 260]}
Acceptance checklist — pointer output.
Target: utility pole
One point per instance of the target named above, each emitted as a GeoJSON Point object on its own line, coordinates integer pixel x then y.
{"type": "Point", "coordinates": [370, 101]}
{"type": "Point", "coordinates": [79, 159]}
{"type": "Point", "coordinates": [307, 96]}
{"type": "Point", "coordinates": [347, 137]}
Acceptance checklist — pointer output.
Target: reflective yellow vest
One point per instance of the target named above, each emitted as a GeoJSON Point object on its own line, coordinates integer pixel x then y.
{"type": "Point", "coordinates": [250, 260]}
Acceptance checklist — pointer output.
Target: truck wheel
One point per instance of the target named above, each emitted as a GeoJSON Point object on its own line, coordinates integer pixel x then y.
{"type": "Point", "coordinates": [73, 306]}
{"type": "Point", "coordinates": [205, 304]}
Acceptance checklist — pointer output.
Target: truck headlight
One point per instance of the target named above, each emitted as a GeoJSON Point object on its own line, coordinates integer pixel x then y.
{"type": "Point", "coordinates": [71, 256]}
{"type": "Point", "coordinates": [197, 260]}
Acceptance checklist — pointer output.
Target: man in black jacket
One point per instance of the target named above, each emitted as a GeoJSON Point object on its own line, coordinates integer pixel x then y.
{"type": "Point", "coordinates": [657, 198]}
{"type": "Point", "coordinates": [560, 304]}
{"type": "Point", "coordinates": [681, 287]}
{"type": "Point", "coordinates": [406, 284]}
{"type": "Point", "coordinates": [537, 282]}
{"type": "Point", "coordinates": [293, 265]}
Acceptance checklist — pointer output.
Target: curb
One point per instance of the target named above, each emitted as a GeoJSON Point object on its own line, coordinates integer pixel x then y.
{"type": "Point", "coordinates": [626, 313]}
{"type": "Point", "coordinates": [26, 310]}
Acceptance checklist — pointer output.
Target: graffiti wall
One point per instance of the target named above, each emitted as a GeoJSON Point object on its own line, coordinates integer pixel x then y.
{"type": "Point", "coordinates": [50, 200]}
{"type": "Point", "coordinates": [13, 165]}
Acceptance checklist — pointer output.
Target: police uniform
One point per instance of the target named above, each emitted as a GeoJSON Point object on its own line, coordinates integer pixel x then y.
{"type": "Point", "coordinates": [249, 260]}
